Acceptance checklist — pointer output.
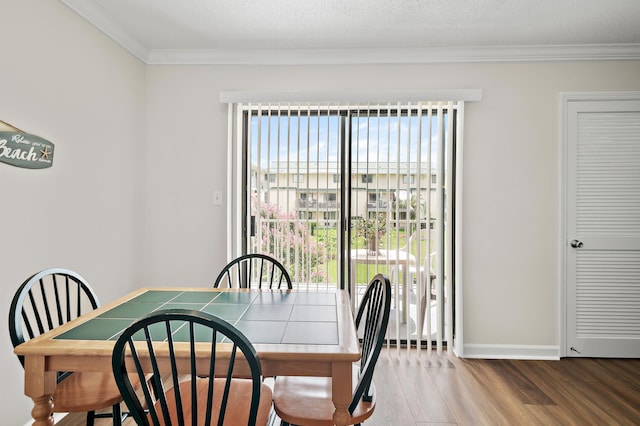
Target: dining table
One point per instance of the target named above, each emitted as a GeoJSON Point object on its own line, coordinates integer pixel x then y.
{"type": "Point", "coordinates": [295, 333]}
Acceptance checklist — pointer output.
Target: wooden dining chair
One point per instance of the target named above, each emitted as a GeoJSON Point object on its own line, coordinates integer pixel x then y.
{"type": "Point", "coordinates": [192, 357]}
{"type": "Point", "coordinates": [254, 270]}
{"type": "Point", "coordinates": [47, 300]}
{"type": "Point", "coordinates": [308, 400]}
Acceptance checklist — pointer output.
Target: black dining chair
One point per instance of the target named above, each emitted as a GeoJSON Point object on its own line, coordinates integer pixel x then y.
{"type": "Point", "coordinates": [256, 271]}
{"type": "Point", "coordinates": [47, 300]}
{"type": "Point", "coordinates": [192, 358]}
{"type": "Point", "coordinates": [307, 400]}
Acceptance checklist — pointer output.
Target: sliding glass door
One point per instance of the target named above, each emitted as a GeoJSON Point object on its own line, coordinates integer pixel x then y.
{"type": "Point", "coordinates": [294, 184]}
{"type": "Point", "coordinates": [340, 193]}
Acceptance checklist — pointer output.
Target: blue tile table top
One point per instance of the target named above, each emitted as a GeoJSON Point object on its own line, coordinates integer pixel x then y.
{"type": "Point", "coordinates": [264, 316]}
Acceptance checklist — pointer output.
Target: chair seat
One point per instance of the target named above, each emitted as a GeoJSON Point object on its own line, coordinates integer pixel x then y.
{"type": "Point", "coordinates": [237, 412]}
{"type": "Point", "coordinates": [307, 401]}
{"type": "Point", "coordinates": [87, 391]}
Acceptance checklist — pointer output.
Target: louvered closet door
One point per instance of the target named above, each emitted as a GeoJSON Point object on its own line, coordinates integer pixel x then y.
{"type": "Point", "coordinates": [603, 226]}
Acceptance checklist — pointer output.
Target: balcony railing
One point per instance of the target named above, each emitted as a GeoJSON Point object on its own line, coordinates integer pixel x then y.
{"type": "Point", "coordinates": [313, 204]}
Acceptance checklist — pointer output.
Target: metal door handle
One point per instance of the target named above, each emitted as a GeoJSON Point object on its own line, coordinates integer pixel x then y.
{"type": "Point", "coordinates": [576, 244]}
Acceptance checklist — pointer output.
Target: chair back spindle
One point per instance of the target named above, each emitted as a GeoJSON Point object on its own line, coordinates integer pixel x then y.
{"type": "Point", "coordinates": [374, 311]}
{"type": "Point", "coordinates": [198, 392]}
{"type": "Point", "coordinates": [45, 301]}
{"type": "Point", "coordinates": [254, 270]}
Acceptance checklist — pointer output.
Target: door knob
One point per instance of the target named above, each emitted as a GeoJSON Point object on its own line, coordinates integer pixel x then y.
{"type": "Point", "coordinates": [576, 243]}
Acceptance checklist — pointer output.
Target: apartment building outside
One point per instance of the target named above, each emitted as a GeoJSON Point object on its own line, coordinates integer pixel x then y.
{"type": "Point", "coordinates": [401, 191]}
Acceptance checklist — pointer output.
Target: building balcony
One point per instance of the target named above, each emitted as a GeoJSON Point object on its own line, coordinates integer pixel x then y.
{"type": "Point", "coordinates": [317, 205]}
{"type": "Point", "coordinates": [379, 205]}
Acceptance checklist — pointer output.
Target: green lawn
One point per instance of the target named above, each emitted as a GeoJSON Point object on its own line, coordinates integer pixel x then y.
{"type": "Point", "coordinates": [393, 239]}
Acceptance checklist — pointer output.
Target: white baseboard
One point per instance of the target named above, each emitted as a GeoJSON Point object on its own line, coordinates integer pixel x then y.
{"type": "Point", "coordinates": [534, 352]}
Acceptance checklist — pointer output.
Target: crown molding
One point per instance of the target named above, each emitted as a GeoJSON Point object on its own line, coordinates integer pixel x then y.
{"type": "Point", "coordinates": [597, 52]}
{"type": "Point", "coordinates": [93, 14]}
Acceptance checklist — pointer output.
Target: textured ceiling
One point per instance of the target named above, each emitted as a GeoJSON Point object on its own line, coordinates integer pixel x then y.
{"type": "Point", "coordinates": [241, 28]}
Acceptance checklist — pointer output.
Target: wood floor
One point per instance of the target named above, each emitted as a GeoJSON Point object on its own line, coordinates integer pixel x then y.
{"type": "Point", "coordinates": [444, 390]}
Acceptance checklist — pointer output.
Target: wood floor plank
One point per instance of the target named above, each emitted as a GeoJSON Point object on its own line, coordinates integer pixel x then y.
{"type": "Point", "coordinates": [415, 381]}
{"type": "Point", "coordinates": [392, 406]}
{"type": "Point", "coordinates": [584, 398]}
{"type": "Point", "coordinates": [518, 383]}
{"type": "Point", "coordinates": [466, 399]}
{"type": "Point", "coordinates": [504, 397]}
{"type": "Point", "coordinates": [550, 415]}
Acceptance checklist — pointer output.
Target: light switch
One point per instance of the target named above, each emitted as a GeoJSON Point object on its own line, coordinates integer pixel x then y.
{"type": "Point", "coordinates": [217, 198]}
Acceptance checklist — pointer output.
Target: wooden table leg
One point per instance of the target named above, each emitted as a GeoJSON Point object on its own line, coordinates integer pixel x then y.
{"type": "Point", "coordinates": [42, 412]}
{"type": "Point", "coordinates": [39, 385]}
{"type": "Point", "coordinates": [341, 391]}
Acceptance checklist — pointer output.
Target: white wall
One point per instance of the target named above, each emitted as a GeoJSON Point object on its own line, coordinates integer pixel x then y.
{"type": "Point", "coordinates": [125, 213]}
{"type": "Point", "coordinates": [512, 177]}
{"type": "Point", "coordinates": [66, 82]}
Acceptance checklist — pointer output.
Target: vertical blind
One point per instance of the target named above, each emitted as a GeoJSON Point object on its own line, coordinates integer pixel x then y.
{"type": "Point", "coordinates": [341, 191]}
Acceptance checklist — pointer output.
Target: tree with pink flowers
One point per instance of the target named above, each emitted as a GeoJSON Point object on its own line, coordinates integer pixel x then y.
{"type": "Point", "coordinates": [289, 240]}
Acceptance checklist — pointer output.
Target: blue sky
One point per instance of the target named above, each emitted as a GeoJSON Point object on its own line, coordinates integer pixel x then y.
{"type": "Point", "coordinates": [316, 139]}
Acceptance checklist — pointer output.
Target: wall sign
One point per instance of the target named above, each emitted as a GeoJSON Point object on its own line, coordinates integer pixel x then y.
{"type": "Point", "coordinates": [25, 150]}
